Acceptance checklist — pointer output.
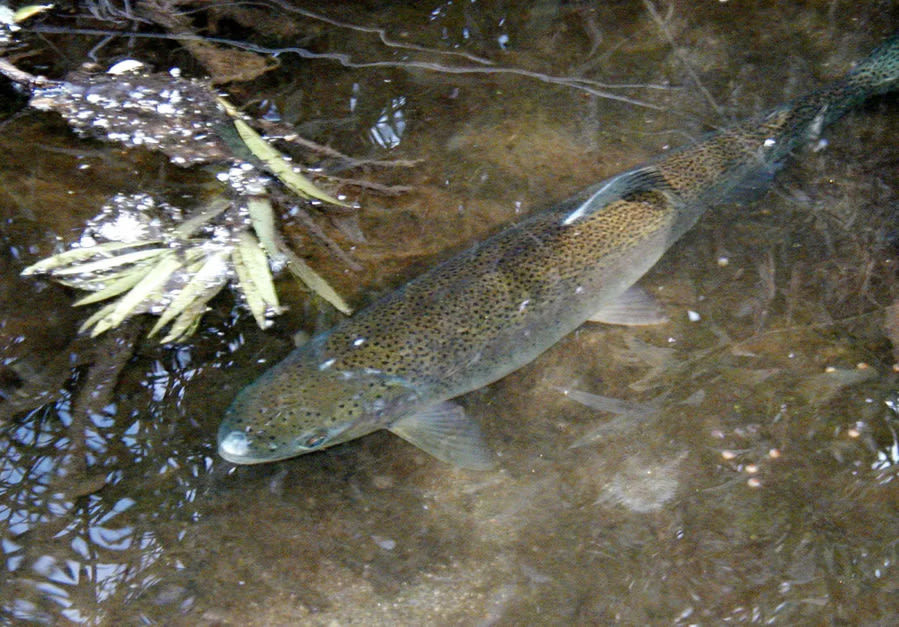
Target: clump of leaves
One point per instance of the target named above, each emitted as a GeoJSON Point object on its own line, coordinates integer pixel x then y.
{"type": "Point", "coordinates": [142, 255]}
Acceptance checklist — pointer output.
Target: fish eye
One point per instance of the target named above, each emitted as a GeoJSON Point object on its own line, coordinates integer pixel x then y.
{"type": "Point", "coordinates": [312, 440]}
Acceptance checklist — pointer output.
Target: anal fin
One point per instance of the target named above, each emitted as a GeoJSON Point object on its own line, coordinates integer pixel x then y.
{"type": "Point", "coordinates": [633, 308]}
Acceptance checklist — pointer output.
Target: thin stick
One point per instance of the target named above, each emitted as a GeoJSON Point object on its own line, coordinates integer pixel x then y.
{"type": "Point", "coordinates": [329, 243]}
{"type": "Point", "coordinates": [595, 88]}
{"type": "Point", "coordinates": [380, 32]}
{"type": "Point", "coordinates": [22, 77]}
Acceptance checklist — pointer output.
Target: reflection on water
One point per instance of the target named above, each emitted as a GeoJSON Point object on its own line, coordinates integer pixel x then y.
{"type": "Point", "coordinates": [97, 498]}
{"type": "Point", "coordinates": [73, 540]}
{"type": "Point", "coordinates": [388, 130]}
{"type": "Point", "coordinates": [736, 464]}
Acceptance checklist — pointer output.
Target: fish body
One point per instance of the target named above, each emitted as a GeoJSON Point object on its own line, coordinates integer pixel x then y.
{"type": "Point", "coordinates": [498, 305]}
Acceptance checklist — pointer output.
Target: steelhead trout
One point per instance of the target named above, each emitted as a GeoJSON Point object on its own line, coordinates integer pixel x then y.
{"type": "Point", "coordinates": [497, 306]}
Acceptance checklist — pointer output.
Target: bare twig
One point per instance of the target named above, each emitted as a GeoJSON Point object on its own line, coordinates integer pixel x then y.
{"type": "Point", "coordinates": [592, 87]}
{"type": "Point", "coordinates": [385, 190]}
{"type": "Point", "coordinates": [20, 76]}
{"type": "Point", "coordinates": [380, 32]}
{"type": "Point", "coordinates": [288, 135]}
{"type": "Point", "coordinates": [329, 243]}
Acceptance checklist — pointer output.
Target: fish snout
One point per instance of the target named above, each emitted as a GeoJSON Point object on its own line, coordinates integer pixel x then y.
{"type": "Point", "coordinates": [235, 447]}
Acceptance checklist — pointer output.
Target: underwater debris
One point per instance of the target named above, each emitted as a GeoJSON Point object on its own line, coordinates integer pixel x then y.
{"type": "Point", "coordinates": [824, 387]}
{"type": "Point", "coordinates": [644, 484]}
{"type": "Point", "coordinates": [628, 415]}
{"type": "Point", "coordinates": [139, 250]}
{"type": "Point", "coordinates": [143, 252]}
{"type": "Point", "coordinates": [176, 116]}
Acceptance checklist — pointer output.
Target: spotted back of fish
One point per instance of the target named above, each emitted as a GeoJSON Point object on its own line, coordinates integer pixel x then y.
{"type": "Point", "coordinates": [488, 310]}
{"type": "Point", "coordinates": [498, 305]}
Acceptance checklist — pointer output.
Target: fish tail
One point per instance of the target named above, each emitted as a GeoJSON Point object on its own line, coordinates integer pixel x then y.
{"type": "Point", "coordinates": [878, 73]}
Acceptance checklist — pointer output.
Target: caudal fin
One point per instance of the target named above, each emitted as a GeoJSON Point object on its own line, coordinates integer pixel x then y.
{"type": "Point", "coordinates": [878, 73]}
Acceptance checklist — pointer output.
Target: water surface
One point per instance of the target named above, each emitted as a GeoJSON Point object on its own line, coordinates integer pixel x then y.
{"type": "Point", "coordinates": [757, 484]}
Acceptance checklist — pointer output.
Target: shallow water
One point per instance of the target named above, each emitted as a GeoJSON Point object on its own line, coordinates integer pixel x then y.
{"type": "Point", "coordinates": [750, 485]}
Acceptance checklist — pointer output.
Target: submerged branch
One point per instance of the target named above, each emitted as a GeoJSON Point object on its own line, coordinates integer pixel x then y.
{"type": "Point", "coordinates": [21, 77]}
{"type": "Point", "coordinates": [380, 32]}
{"type": "Point", "coordinates": [288, 135]}
{"type": "Point", "coordinates": [384, 190]}
{"type": "Point", "coordinates": [329, 243]}
{"type": "Point", "coordinates": [345, 59]}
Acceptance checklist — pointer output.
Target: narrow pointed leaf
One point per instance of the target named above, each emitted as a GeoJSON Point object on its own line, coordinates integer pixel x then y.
{"type": "Point", "coordinates": [116, 287]}
{"type": "Point", "coordinates": [96, 318]}
{"type": "Point", "coordinates": [262, 217]}
{"type": "Point", "coordinates": [103, 265]}
{"type": "Point", "coordinates": [279, 166]}
{"type": "Point", "coordinates": [185, 325]}
{"type": "Point", "coordinates": [245, 280]}
{"type": "Point", "coordinates": [96, 283]}
{"type": "Point", "coordinates": [145, 289]}
{"type": "Point", "coordinates": [315, 282]}
{"type": "Point", "coordinates": [78, 254]}
{"type": "Point", "coordinates": [204, 215]}
{"type": "Point", "coordinates": [29, 11]}
{"type": "Point", "coordinates": [263, 220]}
{"type": "Point", "coordinates": [256, 263]}
{"type": "Point", "coordinates": [188, 320]}
{"type": "Point", "coordinates": [208, 278]}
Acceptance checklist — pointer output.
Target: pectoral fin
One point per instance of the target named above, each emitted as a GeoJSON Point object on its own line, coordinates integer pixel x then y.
{"type": "Point", "coordinates": [444, 431]}
{"type": "Point", "coordinates": [633, 308]}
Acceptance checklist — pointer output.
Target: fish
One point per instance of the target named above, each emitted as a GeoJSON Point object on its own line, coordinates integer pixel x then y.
{"type": "Point", "coordinates": [491, 309]}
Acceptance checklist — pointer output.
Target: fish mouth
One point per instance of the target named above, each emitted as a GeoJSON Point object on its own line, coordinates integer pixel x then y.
{"type": "Point", "coordinates": [234, 446]}
{"type": "Point", "coordinates": [238, 447]}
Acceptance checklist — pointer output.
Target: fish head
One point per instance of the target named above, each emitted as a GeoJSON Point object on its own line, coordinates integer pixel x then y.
{"type": "Point", "coordinates": [304, 405]}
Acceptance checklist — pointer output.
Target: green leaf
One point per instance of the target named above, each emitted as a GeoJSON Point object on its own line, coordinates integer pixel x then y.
{"type": "Point", "coordinates": [280, 167]}
{"type": "Point", "coordinates": [114, 287]}
{"type": "Point", "coordinates": [79, 254]}
{"type": "Point", "coordinates": [263, 221]}
{"type": "Point", "coordinates": [256, 263]}
{"type": "Point", "coordinates": [96, 319]}
{"type": "Point", "coordinates": [209, 276]}
{"type": "Point", "coordinates": [102, 265]}
{"type": "Point", "coordinates": [315, 282]}
{"type": "Point", "coordinates": [201, 217]}
{"type": "Point", "coordinates": [188, 320]}
{"type": "Point", "coordinates": [185, 325]}
{"type": "Point", "coordinates": [144, 290]}
{"type": "Point", "coordinates": [262, 218]}
{"type": "Point", "coordinates": [251, 293]}
{"type": "Point", "coordinates": [29, 11]}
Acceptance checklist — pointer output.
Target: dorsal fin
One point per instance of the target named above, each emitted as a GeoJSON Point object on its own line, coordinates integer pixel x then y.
{"type": "Point", "coordinates": [646, 178]}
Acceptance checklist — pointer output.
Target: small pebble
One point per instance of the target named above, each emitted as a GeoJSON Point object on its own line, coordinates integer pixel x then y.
{"type": "Point", "coordinates": [382, 482]}
{"type": "Point", "coordinates": [385, 543]}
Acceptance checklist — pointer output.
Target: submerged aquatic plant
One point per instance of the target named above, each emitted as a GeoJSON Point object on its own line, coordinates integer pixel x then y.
{"type": "Point", "coordinates": [136, 252]}
{"type": "Point", "coordinates": [143, 253]}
